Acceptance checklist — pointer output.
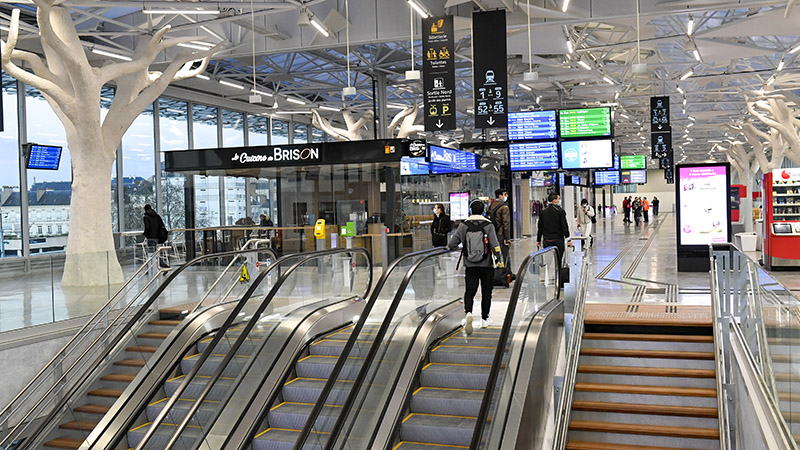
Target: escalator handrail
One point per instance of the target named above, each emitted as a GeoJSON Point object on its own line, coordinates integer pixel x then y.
{"type": "Point", "coordinates": [483, 414]}
{"type": "Point", "coordinates": [317, 410]}
{"type": "Point", "coordinates": [572, 354]}
{"type": "Point", "coordinates": [188, 378]}
{"type": "Point", "coordinates": [65, 349]}
{"type": "Point", "coordinates": [142, 309]}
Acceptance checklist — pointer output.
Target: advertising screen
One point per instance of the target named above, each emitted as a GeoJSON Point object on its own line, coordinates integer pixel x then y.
{"type": "Point", "coordinates": [44, 157]}
{"type": "Point", "coordinates": [459, 205]}
{"type": "Point", "coordinates": [703, 196]}
{"type": "Point", "coordinates": [533, 156]}
{"type": "Point", "coordinates": [587, 154]}
{"type": "Point", "coordinates": [633, 161]}
{"type": "Point", "coordinates": [447, 160]}
{"type": "Point", "coordinates": [531, 125]}
{"type": "Point", "coordinates": [413, 166]}
{"type": "Point", "coordinates": [633, 177]}
{"type": "Point", "coordinates": [585, 122]}
{"type": "Point", "coordinates": [606, 177]}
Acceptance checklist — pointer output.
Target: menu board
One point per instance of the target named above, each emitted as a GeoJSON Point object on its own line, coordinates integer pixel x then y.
{"type": "Point", "coordinates": [459, 205]}
{"type": "Point", "coordinates": [633, 161]}
{"type": "Point", "coordinates": [633, 177]}
{"type": "Point", "coordinates": [597, 154]}
{"type": "Point", "coordinates": [532, 125]}
{"type": "Point", "coordinates": [585, 122]}
{"type": "Point", "coordinates": [703, 196]}
{"type": "Point", "coordinates": [44, 157]}
{"type": "Point", "coordinates": [606, 177]}
{"type": "Point", "coordinates": [533, 156]}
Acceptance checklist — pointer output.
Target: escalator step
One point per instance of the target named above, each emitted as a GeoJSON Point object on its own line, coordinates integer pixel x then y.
{"type": "Point", "coordinates": [232, 369]}
{"type": "Point", "coordinates": [438, 429]}
{"type": "Point", "coordinates": [204, 414]}
{"type": "Point", "coordinates": [293, 416]}
{"type": "Point", "coordinates": [195, 387]}
{"type": "Point", "coordinates": [162, 434]}
{"type": "Point", "coordinates": [65, 443]}
{"type": "Point", "coordinates": [79, 425]}
{"type": "Point", "coordinates": [308, 390]}
{"type": "Point", "coordinates": [459, 376]}
{"type": "Point", "coordinates": [459, 402]}
{"type": "Point", "coordinates": [318, 366]}
{"type": "Point", "coordinates": [285, 439]}
{"type": "Point", "coordinates": [119, 377]}
{"type": "Point", "coordinates": [460, 354]}
{"type": "Point", "coordinates": [473, 340]}
{"type": "Point", "coordinates": [407, 445]}
{"type": "Point", "coordinates": [92, 409]}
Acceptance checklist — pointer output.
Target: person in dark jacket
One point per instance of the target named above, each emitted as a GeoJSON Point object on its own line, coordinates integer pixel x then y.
{"type": "Point", "coordinates": [553, 227]}
{"type": "Point", "coordinates": [500, 215]}
{"type": "Point", "coordinates": [481, 272]}
{"type": "Point", "coordinates": [637, 210]}
{"type": "Point", "coordinates": [154, 231]}
{"type": "Point", "coordinates": [655, 204]}
{"type": "Point", "coordinates": [441, 226]}
{"type": "Point", "coordinates": [265, 221]}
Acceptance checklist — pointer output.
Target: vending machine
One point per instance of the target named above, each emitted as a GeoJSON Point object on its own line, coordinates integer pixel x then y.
{"type": "Point", "coordinates": [781, 218]}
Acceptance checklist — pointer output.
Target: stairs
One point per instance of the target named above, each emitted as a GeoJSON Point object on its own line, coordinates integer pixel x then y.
{"type": "Point", "coordinates": [641, 391]}
{"type": "Point", "coordinates": [442, 411]}
{"type": "Point", "coordinates": [71, 433]}
{"type": "Point", "coordinates": [290, 411]}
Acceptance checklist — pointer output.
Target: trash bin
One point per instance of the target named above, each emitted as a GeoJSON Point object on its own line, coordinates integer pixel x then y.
{"type": "Point", "coordinates": [747, 241]}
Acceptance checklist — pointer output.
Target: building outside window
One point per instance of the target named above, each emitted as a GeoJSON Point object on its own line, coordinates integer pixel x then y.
{"type": "Point", "coordinates": [235, 193]}
{"type": "Point", "coordinates": [207, 195]}
{"type": "Point", "coordinates": [173, 121]}
{"type": "Point", "coordinates": [139, 170]}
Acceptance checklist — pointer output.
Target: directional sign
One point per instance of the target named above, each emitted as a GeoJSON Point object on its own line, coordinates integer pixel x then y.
{"type": "Point", "coordinates": [490, 69]}
{"type": "Point", "coordinates": [439, 75]}
{"type": "Point", "coordinates": [669, 175]}
{"type": "Point", "coordinates": [660, 144]}
{"type": "Point", "coordinates": [666, 162]}
{"type": "Point", "coordinates": [659, 114]}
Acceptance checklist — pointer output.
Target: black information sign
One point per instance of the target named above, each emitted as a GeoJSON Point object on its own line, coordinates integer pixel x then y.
{"type": "Point", "coordinates": [439, 74]}
{"type": "Point", "coordinates": [660, 145]}
{"type": "Point", "coordinates": [667, 161]}
{"type": "Point", "coordinates": [669, 175]}
{"type": "Point", "coordinates": [659, 114]}
{"type": "Point", "coordinates": [490, 69]}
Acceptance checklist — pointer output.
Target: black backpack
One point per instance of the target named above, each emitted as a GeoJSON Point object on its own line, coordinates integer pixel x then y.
{"type": "Point", "coordinates": [476, 242]}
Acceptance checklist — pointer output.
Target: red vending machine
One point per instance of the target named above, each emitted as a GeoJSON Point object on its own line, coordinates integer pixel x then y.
{"type": "Point", "coordinates": [782, 219]}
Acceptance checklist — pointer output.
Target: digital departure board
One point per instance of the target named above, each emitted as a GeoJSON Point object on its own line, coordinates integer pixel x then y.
{"type": "Point", "coordinates": [606, 177]}
{"type": "Point", "coordinates": [633, 161]}
{"type": "Point", "coordinates": [585, 122]}
{"type": "Point", "coordinates": [594, 154]}
{"type": "Point", "coordinates": [445, 160]}
{"type": "Point", "coordinates": [533, 156]}
{"type": "Point", "coordinates": [532, 125]}
{"type": "Point", "coordinates": [634, 177]}
{"type": "Point", "coordinates": [43, 157]}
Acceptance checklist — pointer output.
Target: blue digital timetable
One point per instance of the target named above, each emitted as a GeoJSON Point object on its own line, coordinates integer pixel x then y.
{"type": "Point", "coordinates": [532, 125]}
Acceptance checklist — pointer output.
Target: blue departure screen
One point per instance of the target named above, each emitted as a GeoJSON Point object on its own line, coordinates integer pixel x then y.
{"type": "Point", "coordinates": [531, 125]}
{"type": "Point", "coordinates": [447, 160]}
{"type": "Point", "coordinates": [44, 157]}
{"type": "Point", "coordinates": [606, 177]}
{"type": "Point", "coordinates": [533, 156]}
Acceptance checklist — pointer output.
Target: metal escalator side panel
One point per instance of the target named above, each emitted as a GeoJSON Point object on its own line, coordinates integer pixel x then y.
{"type": "Point", "coordinates": [245, 409]}
{"type": "Point", "coordinates": [529, 404]}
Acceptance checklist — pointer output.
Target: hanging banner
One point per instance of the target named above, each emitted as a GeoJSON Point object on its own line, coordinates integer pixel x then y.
{"type": "Point", "coordinates": [660, 145]}
{"type": "Point", "coordinates": [659, 114]}
{"type": "Point", "coordinates": [438, 73]}
{"type": "Point", "coordinates": [490, 69]}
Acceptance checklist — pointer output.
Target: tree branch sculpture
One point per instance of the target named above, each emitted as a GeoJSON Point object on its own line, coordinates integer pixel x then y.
{"type": "Point", "coordinates": [780, 117]}
{"type": "Point", "coordinates": [71, 85]}
{"type": "Point", "coordinates": [355, 128]}
{"type": "Point", "coordinates": [746, 167]}
{"type": "Point", "coordinates": [406, 119]}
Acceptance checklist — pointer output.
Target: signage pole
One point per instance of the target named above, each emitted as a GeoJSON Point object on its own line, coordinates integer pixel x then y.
{"type": "Point", "coordinates": [490, 69]}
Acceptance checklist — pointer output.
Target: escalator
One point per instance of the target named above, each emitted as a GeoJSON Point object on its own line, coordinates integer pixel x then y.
{"type": "Point", "coordinates": [179, 402]}
{"type": "Point", "coordinates": [426, 384]}
{"type": "Point", "coordinates": [127, 337]}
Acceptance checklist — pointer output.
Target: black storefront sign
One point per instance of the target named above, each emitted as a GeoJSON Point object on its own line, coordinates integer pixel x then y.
{"type": "Point", "coordinates": [439, 73]}
{"type": "Point", "coordinates": [269, 156]}
{"type": "Point", "coordinates": [659, 114]}
{"type": "Point", "coordinates": [660, 145]}
{"type": "Point", "coordinates": [490, 69]}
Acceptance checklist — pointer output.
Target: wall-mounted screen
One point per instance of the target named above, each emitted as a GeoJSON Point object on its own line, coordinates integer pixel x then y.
{"type": "Point", "coordinates": [413, 166]}
{"type": "Point", "coordinates": [447, 160]}
{"type": "Point", "coordinates": [531, 125]}
{"type": "Point", "coordinates": [584, 122]}
{"type": "Point", "coordinates": [459, 205]}
{"type": "Point", "coordinates": [597, 154]}
{"type": "Point", "coordinates": [533, 156]}
{"type": "Point", "coordinates": [43, 157]}
{"type": "Point", "coordinates": [633, 161]}
{"type": "Point", "coordinates": [633, 177]}
{"type": "Point", "coordinates": [606, 177]}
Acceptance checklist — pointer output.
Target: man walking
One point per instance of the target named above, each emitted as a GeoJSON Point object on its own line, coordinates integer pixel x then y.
{"type": "Point", "coordinates": [553, 227]}
{"type": "Point", "coordinates": [154, 231]}
{"type": "Point", "coordinates": [500, 215]}
{"type": "Point", "coordinates": [479, 240]}
{"type": "Point", "coordinates": [656, 201]}
{"type": "Point", "coordinates": [626, 210]}
{"type": "Point", "coordinates": [646, 209]}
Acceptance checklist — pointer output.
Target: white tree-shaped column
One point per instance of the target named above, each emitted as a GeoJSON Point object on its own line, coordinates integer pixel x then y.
{"type": "Point", "coordinates": [781, 118]}
{"type": "Point", "coordinates": [355, 128]}
{"type": "Point", "coordinates": [71, 85]}
{"type": "Point", "coordinates": [746, 167]}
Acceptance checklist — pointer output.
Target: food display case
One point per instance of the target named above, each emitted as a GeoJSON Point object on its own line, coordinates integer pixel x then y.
{"type": "Point", "coordinates": [781, 232]}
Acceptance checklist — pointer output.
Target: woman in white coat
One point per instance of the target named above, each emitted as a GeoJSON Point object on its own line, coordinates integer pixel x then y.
{"type": "Point", "coordinates": [586, 218]}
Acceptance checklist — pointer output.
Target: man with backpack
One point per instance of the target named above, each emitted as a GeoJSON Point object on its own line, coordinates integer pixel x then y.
{"type": "Point", "coordinates": [480, 244]}
{"type": "Point", "coordinates": [553, 227]}
{"type": "Point", "coordinates": [500, 215]}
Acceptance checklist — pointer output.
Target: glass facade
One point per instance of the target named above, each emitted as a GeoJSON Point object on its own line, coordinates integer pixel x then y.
{"type": "Point", "coordinates": [140, 164]}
